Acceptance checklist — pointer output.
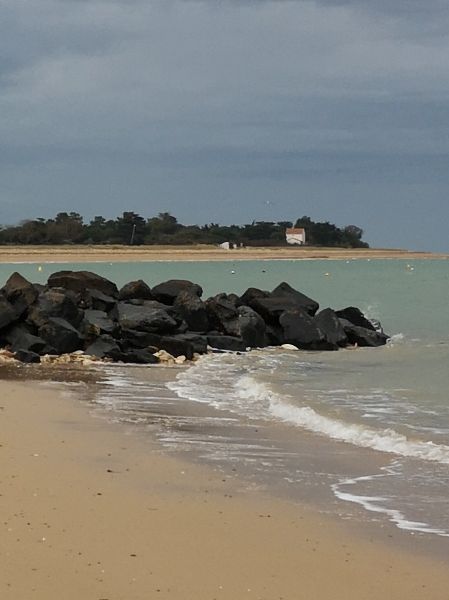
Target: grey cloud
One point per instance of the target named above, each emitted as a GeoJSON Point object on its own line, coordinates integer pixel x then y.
{"type": "Point", "coordinates": [198, 101]}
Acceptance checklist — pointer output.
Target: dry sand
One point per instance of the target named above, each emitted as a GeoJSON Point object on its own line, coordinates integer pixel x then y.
{"type": "Point", "coordinates": [38, 254]}
{"type": "Point", "coordinates": [92, 512]}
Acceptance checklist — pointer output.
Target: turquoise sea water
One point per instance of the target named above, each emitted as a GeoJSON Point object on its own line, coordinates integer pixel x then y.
{"type": "Point", "coordinates": [377, 419]}
{"type": "Point", "coordinates": [410, 296]}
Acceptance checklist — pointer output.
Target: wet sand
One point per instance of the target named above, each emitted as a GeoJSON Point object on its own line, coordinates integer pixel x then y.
{"type": "Point", "coordinates": [11, 254]}
{"type": "Point", "coordinates": [90, 510]}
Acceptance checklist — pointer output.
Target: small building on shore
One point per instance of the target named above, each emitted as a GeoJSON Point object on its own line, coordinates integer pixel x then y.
{"type": "Point", "coordinates": [295, 235]}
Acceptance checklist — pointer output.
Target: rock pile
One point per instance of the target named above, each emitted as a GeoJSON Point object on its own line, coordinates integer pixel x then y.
{"type": "Point", "coordinates": [81, 311]}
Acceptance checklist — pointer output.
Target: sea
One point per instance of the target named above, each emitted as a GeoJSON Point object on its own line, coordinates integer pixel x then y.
{"type": "Point", "coordinates": [359, 433]}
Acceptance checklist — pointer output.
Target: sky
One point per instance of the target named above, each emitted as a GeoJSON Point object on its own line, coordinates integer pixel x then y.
{"type": "Point", "coordinates": [229, 111]}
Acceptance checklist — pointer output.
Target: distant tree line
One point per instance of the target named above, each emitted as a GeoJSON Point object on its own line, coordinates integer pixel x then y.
{"type": "Point", "coordinates": [131, 228]}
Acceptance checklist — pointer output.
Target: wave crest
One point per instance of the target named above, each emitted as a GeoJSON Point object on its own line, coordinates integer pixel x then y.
{"type": "Point", "coordinates": [385, 440]}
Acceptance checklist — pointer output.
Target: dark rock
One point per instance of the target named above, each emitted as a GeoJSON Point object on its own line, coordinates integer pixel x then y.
{"type": "Point", "coordinates": [152, 304]}
{"type": "Point", "coordinates": [21, 338]}
{"type": "Point", "coordinates": [284, 290]}
{"type": "Point", "coordinates": [199, 342]}
{"type": "Point", "coordinates": [60, 334]}
{"type": "Point", "coordinates": [275, 335]}
{"type": "Point", "coordinates": [226, 342]}
{"type": "Point", "coordinates": [362, 336]}
{"type": "Point", "coordinates": [26, 356]}
{"type": "Point", "coordinates": [192, 310]}
{"type": "Point", "coordinates": [252, 293]}
{"type": "Point", "coordinates": [184, 328]}
{"type": "Point", "coordinates": [131, 338]}
{"type": "Point", "coordinates": [355, 316]}
{"type": "Point", "coordinates": [55, 303]}
{"type": "Point", "coordinates": [249, 326]}
{"type": "Point", "coordinates": [78, 281]}
{"type": "Point", "coordinates": [168, 291]}
{"type": "Point", "coordinates": [135, 289]}
{"type": "Point", "coordinates": [329, 323]}
{"type": "Point", "coordinates": [105, 346]}
{"type": "Point", "coordinates": [145, 318]}
{"type": "Point", "coordinates": [7, 313]}
{"type": "Point", "coordinates": [97, 322]}
{"type": "Point", "coordinates": [156, 304]}
{"type": "Point", "coordinates": [221, 311]}
{"type": "Point", "coordinates": [174, 345]}
{"type": "Point", "coordinates": [301, 330]}
{"type": "Point", "coordinates": [99, 301]}
{"type": "Point", "coordinates": [137, 301]}
{"type": "Point", "coordinates": [139, 356]}
{"type": "Point", "coordinates": [235, 300]}
{"type": "Point", "coordinates": [271, 308]}
{"type": "Point", "coordinates": [20, 293]}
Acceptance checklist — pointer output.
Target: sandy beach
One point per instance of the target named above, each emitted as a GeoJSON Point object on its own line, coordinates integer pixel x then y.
{"type": "Point", "coordinates": [92, 511]}
{"type": "Point", "coordinates": [18, 254]}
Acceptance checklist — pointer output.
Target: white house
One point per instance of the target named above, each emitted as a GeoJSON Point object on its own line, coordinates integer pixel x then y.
{"type": "Point", "coordinates": [295, 235]}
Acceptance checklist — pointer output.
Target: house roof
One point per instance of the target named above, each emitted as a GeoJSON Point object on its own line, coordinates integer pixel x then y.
{"type": "Point", "coordinates": [294, 230]}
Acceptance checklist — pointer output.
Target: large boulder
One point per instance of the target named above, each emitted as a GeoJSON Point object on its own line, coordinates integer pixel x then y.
{"type": "Point", "coordinates": [145, 318]}
{"type": "Point", "coordinates": [284, 290]}
{"type": "Point", "coordinates": [282, 298]}
{"type": "Point", "coordinates": [20, 293]}
{"type": "Point", "coordinates": [198, 342]}
{"type": "Point", "coordinates": [226, 342]}
{"type": "Point", "coordinates": [271, 308]}
{"type": "Point", "coordinates": [97, 322]}
{"type": "Point", "coordinates": [355, 316]}
{"type": "Point", "coordinates": [251, 293]}
{"type": "Point", "coordinates": [7, 313]}
{"type": "Point", "coordinates": [168, 291]}
{"type": "Point", "coordinates": [55, 303]}
{"type": "Point", "coordinates": [132, 338]}
{"type": "Point", "coordinates": [19, 337]}
{"type": "Point", "coordinates": [135, 289]}
{"type": "Point", "coordinates": [192, 310]}
{"type": "Point", "coordinates": [301, 330]}
{"type": "Point", "coordinates": [249, 326]}
{"type": "Point", "coordinates": [79, 281]}
{"type": "Point", "coordinates": [362, 336]}
{"type": "Point", "coordinates": [176, 345]}
{"type": "Point", "coordinates": [275, 335]}
{"type": "Point", "coordinates": [105, 346]}
{"type": "Point", "coordinates": [139, 356]}
{"type": "Point", "coordinates": [61, 335]}
{"type": "Point", "coordinates": [26, 356]}
{"type": "Point", "coordinates": [329, 323]}
{"type": "Point", "coordinates": [222, 313]}
{"type": "Point", "coordinates": [97, 300]}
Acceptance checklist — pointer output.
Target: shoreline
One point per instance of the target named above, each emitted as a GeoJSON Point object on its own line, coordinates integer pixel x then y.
{"type": "Point", "coordinates": [61, 254]}
{"type": "Point", "coordinates": [91, 509]}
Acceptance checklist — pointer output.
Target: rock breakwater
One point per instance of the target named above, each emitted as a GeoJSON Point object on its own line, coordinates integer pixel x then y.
{"type": "Point", "coordinates": [82, 312]}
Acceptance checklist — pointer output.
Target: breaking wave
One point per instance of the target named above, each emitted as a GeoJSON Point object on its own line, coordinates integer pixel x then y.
{"type": "Point", "coordinates": [385, 440]}
{"type": "Point", "coordinates": [224, 386]}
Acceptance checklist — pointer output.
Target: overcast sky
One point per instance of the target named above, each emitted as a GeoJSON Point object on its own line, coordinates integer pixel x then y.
{"type": "Point", "coordinates": [229, 111]}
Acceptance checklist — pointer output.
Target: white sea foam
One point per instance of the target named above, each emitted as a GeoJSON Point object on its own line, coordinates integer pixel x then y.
{"type": "Point", "coordinates": [378, 504]}
{"type": "Point", "coordinates": [396, 340]}
{"type": "Point", "coordinates": [385, 440]}
{"type": "Point", "coordinates": [223, 386]}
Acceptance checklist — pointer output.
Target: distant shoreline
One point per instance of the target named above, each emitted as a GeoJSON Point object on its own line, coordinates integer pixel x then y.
{"type": "Point", "coordinates": [116, 253]}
